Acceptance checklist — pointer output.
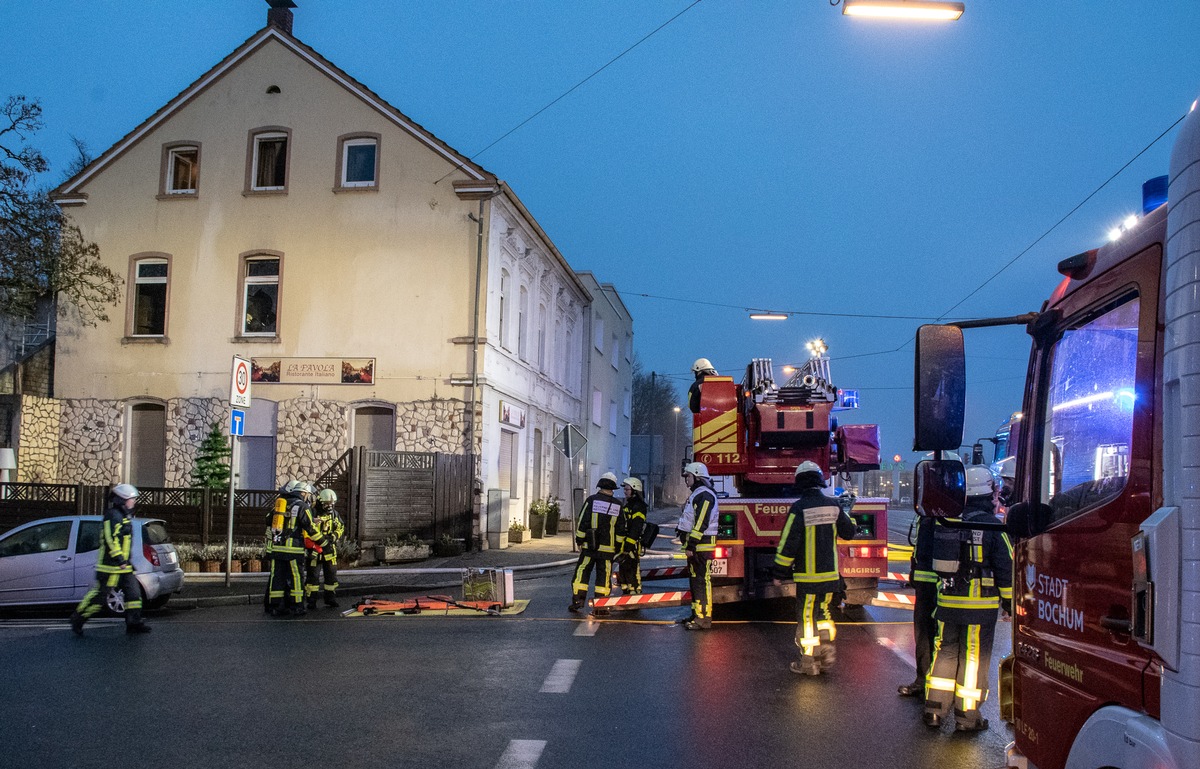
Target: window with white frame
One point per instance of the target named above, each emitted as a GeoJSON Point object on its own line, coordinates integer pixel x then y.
{"type": "Point", "coordinates": [149, 297]}
{"type": "Point", "coordinates": [616, 351]}
{"type": "Point", "coordinates": [599, 333]}
{"type": "Point", "coordinates": [612, 417]}
{"type": "Point", "coordinates": [269, 161]}
{"type": "Point", "coordinates": [505, 279]}
{"type": "Point", "coordinates": [628, 403]}
{"type": "Point", "coordinates": [597, 407]}
{"type": "Point", "coordinates": [522, 320]}
{"type": "Point", "coordinates": [181, 170]}
{"type": "Point", "coordinates": [359, 162]}
{"type": "Point", "coordinates": [260, 296]}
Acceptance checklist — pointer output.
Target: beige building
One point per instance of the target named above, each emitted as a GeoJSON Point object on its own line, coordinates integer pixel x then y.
{"type": "Point", "coordinates": [385, 287]}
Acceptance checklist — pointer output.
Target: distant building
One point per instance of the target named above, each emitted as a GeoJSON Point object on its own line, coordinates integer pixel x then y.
{"type": "Point", "coordinates": [609, 360]}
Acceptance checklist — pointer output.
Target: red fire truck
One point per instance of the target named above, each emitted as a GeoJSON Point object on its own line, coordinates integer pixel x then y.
{"type": "Point", "coordinates": [1105, 669]}
{"type": "Point", "coordinates": [757, 433]}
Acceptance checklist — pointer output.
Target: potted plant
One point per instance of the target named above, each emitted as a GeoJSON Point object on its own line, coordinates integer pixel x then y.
{"type": "Point", "coordinates": [212, 558]}
{"type": "Point", "coordinates": [448, 547]}
{"type": "Point", "coordinates": [189, 558]}
{"type": "Point", "coordinates": [348, 552]}
{"type": "Point", "coordinates": [537, 518]}
{"type": "Point", "coordinates": [552, 513]}
{"type": "Point", "coordinates": [400, 549]}
{"type": "Point", "coordinates": [517, 532]}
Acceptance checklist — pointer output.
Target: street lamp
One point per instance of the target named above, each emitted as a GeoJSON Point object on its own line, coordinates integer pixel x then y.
{"type": "Point", "coordinates": [817, 347]}
{"type": "Point", "coordinates": [922, 10]}
{"type": "Point", "coordinates": [768, 316]}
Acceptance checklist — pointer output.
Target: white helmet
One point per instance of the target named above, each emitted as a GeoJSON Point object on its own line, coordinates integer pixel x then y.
{"type": "Point", "coordinates": [328, 496]}
{"type": "Point", "coordinates": [808, 466]}
{"type": "Point", "coordinates": [125, 491]}
{"type": "Point", "coordinates": [633, 483]}
{"type": "Point", "coordinates": [607, 481]}
{"type": "Point", "coordinates": [697, 469]}
{"type": "Point", "coordinates": [702, 364]}
{"type": "Point", "coordinates": [980, 481]}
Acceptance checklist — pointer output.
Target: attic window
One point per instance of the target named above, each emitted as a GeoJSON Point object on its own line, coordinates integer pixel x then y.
{"type": "Point", "coordinates": [273, 89]}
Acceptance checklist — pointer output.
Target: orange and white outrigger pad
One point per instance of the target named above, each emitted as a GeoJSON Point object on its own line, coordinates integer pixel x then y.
{"type": "Point", "coordinates": [645, 600]}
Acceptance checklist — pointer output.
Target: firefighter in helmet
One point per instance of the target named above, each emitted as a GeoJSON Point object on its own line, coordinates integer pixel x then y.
{"type": "Point", "coordinates": [697, 532]}
{"type": "Point", "coordinates": [700, 369]}
{"type": "Point", "coordinates": [807, 555]}
{"type": "Point", "coordinates": [924, 581]}
{"type": "Point", "coordinates": [291, 523]}
{"type": "Point", "coordinates": [322, 559]}
{"type": "Point", "coordinates": [630, 526]}
{"type": "Point", "coordinates": [114, 571]}
{"type": "Point", "coordinates": [975, 567]}
{"type": "Point", "coordinates": [596, 535]}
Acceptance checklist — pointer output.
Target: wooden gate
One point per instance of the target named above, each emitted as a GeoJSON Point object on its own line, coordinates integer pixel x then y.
{"type": "Point", "coordinates": [405, 492]}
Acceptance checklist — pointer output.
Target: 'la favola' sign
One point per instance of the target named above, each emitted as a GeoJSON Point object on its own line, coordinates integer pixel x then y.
{"type": "Point", "coordinates": [312, 371]}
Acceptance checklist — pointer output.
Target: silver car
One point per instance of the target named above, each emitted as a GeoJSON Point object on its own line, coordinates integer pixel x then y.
{"type": "Point", "coordinates": [53, 560]}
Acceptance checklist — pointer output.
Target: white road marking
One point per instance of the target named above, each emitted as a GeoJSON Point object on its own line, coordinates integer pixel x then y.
{"type": "Point", "coordinates": [521, 754]}
{"type": "Point", "coordinates": [588, 628]}
{"type": "Point", "coordinates": [561, 676]}
{"type": "Point", "coordinates": [903, 654]}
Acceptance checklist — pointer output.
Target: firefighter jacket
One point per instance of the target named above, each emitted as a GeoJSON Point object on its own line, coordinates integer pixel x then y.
{"type": "Point", "coordinates": [630, 525]}
{"type": "Point", "coordinates": [698, 524]}
{"type": "Point", "coordinates": [596, 525]}
{"type": "Point", "coordinates": [116, 540]}
{"type": "Point", "coordinates": [982, 579]}
{"type": "Point", "coordinates": [288, 543]}
{"type": "Point", "coordinates": [921, 566]}
{"type": "Point", "coordinates": [329, 524]}
{"type": "Point", "coordinates": [808, 545]}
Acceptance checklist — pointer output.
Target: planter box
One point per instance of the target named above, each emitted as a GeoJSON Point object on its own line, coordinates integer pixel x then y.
{"type": "Point", "coordinates": [191, 567]}
{"type": "Point", "coordinates": [517, 537]}
{"type": "Point", "coordinates": [537, 525]}
{"type": "Point", "coordinates": [401, 553]}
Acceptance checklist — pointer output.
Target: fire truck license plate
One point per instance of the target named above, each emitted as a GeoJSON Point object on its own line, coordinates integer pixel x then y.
{"type": "Point", "coordinates": [720, 567]}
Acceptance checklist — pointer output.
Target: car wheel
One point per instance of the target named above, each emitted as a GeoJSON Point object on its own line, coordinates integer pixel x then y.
{"type": "Point", "coordinates": [115, 600]}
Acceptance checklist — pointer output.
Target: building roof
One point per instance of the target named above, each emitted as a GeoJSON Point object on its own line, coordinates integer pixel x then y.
{"type": "Point", "coordinates": [70, 191]}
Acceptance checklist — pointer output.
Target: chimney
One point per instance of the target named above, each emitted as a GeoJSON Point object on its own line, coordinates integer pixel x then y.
{"type": "Point", "coordinates": [280, 15]}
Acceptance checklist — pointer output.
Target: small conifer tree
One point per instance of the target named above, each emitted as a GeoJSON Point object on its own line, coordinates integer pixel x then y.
{"type": "Point", "coordinates": [212, 461]}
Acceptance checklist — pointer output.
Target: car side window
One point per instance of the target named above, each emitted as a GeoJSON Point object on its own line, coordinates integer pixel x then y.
{"type": "Point", "coordinates": [43, 538]}
{"type": "Point", "coordinates": [89, 537]}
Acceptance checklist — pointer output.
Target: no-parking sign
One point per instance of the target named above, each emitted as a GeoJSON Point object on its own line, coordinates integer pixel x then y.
{"type": "Point", "coordinates": [239, 390]}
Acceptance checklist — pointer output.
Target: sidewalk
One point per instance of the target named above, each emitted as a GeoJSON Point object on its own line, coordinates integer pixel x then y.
{"type": "Point", "coordinates": [204, 590]}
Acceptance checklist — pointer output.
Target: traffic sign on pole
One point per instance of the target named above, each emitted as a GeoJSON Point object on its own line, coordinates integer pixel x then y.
{"type": "Point", "coordinates": [237, 422]}
{"type": "Point", "coordinates": [570, 441]}
{"type": "Point", "coordinates": [239, 389]}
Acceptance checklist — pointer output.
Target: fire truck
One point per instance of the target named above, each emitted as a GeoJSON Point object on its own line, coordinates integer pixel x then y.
{"type": "Point", "coordinates": [756, 432]}
{"type": "Point", "coordinates": [1105, 515]}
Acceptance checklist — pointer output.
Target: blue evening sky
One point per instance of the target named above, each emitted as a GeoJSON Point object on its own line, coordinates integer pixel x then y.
{"type": "Point", "coordinates": [770, 154]}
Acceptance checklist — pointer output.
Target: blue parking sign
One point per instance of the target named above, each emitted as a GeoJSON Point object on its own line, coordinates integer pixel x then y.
{"type": "Point", "coordinates": [237, 422]}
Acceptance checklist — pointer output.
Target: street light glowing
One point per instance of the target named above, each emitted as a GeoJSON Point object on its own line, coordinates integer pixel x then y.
{"type": "Point", "coordinates": [921, 10]}
{"type": "Point", "coordinates": [768, 316]}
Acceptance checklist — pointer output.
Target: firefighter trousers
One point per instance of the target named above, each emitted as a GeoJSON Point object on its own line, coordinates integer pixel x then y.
{"type": "Point", "coordinates": [590, 560]}
{"type": "Point", "coordinates": [924, 626]}
{"type": "Point", "coordinates": [285, 589]}
{"type": "Point", "coordinates": [815, 630]}
{"type": "Point", "coordinates": [93, 601]}
{"type": "Point", "coordinates": [700, 582]}
{"type": "Point", "coordinates": [321, 567]}
{"type": "Point", "coordinates": [629, 573]}
{"type": "Point", "coordinates": [962, 656]}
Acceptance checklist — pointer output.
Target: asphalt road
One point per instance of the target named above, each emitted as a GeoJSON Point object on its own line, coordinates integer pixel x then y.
{"type": "Point", "coordinates": [230, 687]}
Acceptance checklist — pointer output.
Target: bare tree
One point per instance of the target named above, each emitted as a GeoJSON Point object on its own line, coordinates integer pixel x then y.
{"type": "Point", "coordinates": [42, 252]}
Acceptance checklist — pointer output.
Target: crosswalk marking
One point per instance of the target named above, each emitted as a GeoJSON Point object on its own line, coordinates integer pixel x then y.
{"type": "Point", "coordinates": [521, 754]}
{"type": "Point", "coordinates": [561, 676]}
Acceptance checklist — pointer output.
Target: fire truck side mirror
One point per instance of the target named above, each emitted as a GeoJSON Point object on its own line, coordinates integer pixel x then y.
{"type": "Point", "coordinates": [940, 488]}
{"type": "Point", "coordinates": [939, 388]}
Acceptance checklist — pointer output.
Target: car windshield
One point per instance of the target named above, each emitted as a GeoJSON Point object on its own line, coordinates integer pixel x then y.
{"type": "Point", "coordinates": [154, 533]}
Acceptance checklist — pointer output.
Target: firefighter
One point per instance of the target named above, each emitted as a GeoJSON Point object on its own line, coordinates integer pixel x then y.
{"type": "Point", "coordinates": [924, 581]}
{"type": "Point", "coordinates": [807, 554]}
{"type": "Point", "coordinates": [113, 567]}
{"type": "Point", "coordinates": [596, 535]}
{"type": "Point", "coordinates": [285, 589]}
{"type": "Point", "coordinates": [701, 368]}
{"type": "Point", "coordinates": [697, 531]}
{"type": "Point", "coordinates": [976, 580]}
{"type": "Point", "coordinates": [630, 526]}
{"type": "Point", "coordinates": [322, 559]}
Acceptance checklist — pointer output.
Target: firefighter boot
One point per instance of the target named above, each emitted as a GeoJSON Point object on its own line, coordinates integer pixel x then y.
{"type": "Point", "coordinates": [807, 666]}
{"type": "Point", "coordinates": [699, 623]}
{"type": "Point", "coordinates": [77, 623]}
{"type": "Point", "coordinates": [825, 655]}
{"type": "Point", "coordinates": [331, 600]}
{"type": "Point", "coordinates": [969, 722]}
{"type": "Point", "coordinates": [137, 628]}
{"type": "Point", "coordinates": [312, 601]}
{"type": "Point", "coordinates": [577, 602]}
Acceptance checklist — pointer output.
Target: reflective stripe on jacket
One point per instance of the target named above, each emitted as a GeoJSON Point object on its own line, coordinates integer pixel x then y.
{"type": "Point", "coordinates": [808, 544]}
{"type": "Point", "coordinates": [973, 595]}
{"type": "Point", "coordinates": [116, 541]}
{"type": "Point", "coordinates": [699, 519]}
{"type": "Point", "coordinates": [596, 524]}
